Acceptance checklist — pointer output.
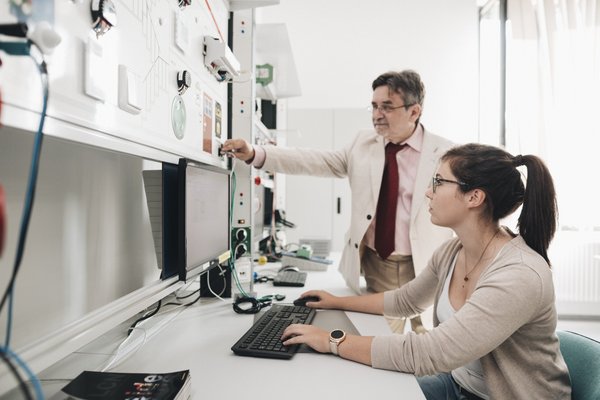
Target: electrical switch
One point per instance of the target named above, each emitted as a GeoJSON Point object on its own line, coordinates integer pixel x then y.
{"type": "Point", "coordinates": [96, 77]}
{"type": "Point", "coordinates": [129, 91]}
{"type": "Point", "coordinates": [104, 16]}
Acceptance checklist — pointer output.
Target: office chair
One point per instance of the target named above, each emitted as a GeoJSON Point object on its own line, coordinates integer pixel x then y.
{"type": "Point", "coordinates": [582, 355]}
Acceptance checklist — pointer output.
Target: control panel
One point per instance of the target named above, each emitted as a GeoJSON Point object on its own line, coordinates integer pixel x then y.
{"type": "Point", "coordinates": [131, 69]}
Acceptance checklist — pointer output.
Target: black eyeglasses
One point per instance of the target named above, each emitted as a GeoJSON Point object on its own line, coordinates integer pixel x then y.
{"type": "Point", "coordinates": [386, 108]}
{"type": "Point", "coordinates": [435, 182]}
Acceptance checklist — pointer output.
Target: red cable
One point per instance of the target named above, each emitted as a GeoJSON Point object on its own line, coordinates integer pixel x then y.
{"type": "Point", "coordinates": [214, 20]}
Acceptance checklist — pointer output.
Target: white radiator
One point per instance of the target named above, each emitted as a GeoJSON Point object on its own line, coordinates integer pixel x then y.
{"type": "Point", "coordinates": [575, 258]}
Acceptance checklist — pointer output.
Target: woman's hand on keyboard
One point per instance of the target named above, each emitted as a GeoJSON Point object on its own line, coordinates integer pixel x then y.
{"type": "Point", "coordinates": [313, 336]}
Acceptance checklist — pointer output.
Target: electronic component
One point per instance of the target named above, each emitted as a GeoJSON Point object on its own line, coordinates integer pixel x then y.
{"type": "Point", "coordinates": [184, 81]}
{"type": "Point", "coordinates": [218, 116]}
{"type": "Point", "coordinates": [104, 16]}
{"type": "Point", "coordinates": [14, 30]}
{"type": "Point", "coordinates": [305, 251]}
{"type": "Point", "coordinates": [42, 35]}
{"type": "Point", "coordinates": [240, 250]}
{"type": "Point", "coordinates": [220, 60]}
{"type": "Point", "coordinates": [240, 241]}
{"type": "Point", "coordinates": [264, 74]}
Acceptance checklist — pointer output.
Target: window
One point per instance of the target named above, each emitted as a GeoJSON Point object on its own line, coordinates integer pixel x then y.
{"type": "Point", "coordinates": [552, 96]}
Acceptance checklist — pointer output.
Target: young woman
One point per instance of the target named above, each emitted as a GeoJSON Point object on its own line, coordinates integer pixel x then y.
{"type": "Point", "coordinates": [492, 290]}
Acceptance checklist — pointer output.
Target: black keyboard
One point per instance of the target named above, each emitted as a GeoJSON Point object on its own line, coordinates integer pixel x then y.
{"type": "Point", "coordinates": [290, 278]}
{"type": "Point", "coordinates": [263, 339]}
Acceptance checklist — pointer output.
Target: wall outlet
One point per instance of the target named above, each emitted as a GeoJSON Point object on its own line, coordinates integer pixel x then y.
{"type": "Point", "coordinates": [244, 271]}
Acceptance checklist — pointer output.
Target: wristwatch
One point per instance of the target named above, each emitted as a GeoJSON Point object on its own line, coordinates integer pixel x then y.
{"type": "Point", "coordinates": [336, 337]}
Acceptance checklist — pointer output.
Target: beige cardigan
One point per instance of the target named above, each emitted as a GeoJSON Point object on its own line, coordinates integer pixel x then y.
{"type": "Point", "coordinates": [509, 322]}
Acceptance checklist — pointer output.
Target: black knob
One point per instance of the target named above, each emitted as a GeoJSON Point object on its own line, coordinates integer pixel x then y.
{"type": "Point", "coordinates": [240, 250]}
{"type": "Point", "coordinates": [241, 235]}
{"type": "Point", "coordinates": [184, 81]}
{"type": "Point", "coordinates": [104, 16]}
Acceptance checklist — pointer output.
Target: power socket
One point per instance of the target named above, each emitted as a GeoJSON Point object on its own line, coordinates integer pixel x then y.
{"type": "Point", "coordinates": [241, 240]}
{"type": "Point", "coordinates": [244, 270]}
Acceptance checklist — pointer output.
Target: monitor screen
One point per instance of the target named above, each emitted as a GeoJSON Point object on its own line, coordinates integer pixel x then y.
{"type": "Point", "coordinates": [204, 216]}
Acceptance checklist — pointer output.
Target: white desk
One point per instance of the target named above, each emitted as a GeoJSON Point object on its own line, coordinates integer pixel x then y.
{"type": "Point", "coordinates": [200, 337]}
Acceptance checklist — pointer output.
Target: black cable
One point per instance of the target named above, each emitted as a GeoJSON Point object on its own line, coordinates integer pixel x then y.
{"type": "Point", "coordinates": [19, 378]}
{"type": "Point", "coordinates": [263, 279]}
{"type": "Point", "coordinates": [186, 304]}
{"type": "Point", "coordinates": [193, 302]}
{"type": "Point", "coordinates": [153, 313]}
{"type": "Point", "coordinates": [250, 305]}
{"type": "Point", "coordinates": [187, 295]}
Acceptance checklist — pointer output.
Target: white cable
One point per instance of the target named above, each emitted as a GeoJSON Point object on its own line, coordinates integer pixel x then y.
{"type": "Point", "coordinates": [127, 349]}
{"type": "Point", "coordinates": [121, 351]}
{"type": "Point", "coordinates": [218, 296]}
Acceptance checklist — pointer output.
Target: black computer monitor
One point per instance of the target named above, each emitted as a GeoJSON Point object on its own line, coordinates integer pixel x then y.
{"type": "Point", "coordinates": [170, 220]}
{"type": "Point", "coordinates": [204, 232]}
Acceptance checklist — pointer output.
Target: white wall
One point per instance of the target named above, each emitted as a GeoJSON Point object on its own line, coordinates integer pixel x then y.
{"type": "Point", "coordinates": [340, 46]}
{"type": "Point", "coordinates": [89, 240]}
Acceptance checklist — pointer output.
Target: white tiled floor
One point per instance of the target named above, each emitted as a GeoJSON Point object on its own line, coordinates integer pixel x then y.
{"type": "Point", "coordinates": [590, 328]}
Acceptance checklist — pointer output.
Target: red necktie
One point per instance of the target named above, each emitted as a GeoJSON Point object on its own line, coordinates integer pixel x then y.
{"type": "Point", "coordinates": [385, 227]}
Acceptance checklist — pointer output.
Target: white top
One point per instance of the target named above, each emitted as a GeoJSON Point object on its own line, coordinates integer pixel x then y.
{"type": "Point", "coordinates": [469, 376]}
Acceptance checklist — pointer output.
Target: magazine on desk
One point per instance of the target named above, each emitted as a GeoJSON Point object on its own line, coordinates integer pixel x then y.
{"type": "Point", "coordinates": [95, 385]}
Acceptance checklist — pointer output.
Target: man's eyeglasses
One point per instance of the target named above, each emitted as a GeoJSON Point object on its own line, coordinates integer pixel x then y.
{"type": "Point", "coordinates": [435, 182]}
{"type": "Point", "coordinates": [386, 108]}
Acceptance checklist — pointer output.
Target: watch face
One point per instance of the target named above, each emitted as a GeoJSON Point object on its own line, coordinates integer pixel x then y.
{"type": "Point", "coordinates": [337, 334]}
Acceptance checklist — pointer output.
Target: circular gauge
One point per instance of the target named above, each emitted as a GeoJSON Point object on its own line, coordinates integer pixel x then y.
{"type": "Point", "coordinates": [178, 117]}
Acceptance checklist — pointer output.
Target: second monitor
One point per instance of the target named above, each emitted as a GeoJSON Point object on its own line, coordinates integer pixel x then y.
{"type": "Point", "coordinates": [203, 217]}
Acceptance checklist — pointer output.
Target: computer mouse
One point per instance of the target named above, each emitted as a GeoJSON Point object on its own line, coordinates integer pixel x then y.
{"type": "Point", "coordinates": [289, 268]}
{"type": "Point", "coordinates": [303, 300]}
